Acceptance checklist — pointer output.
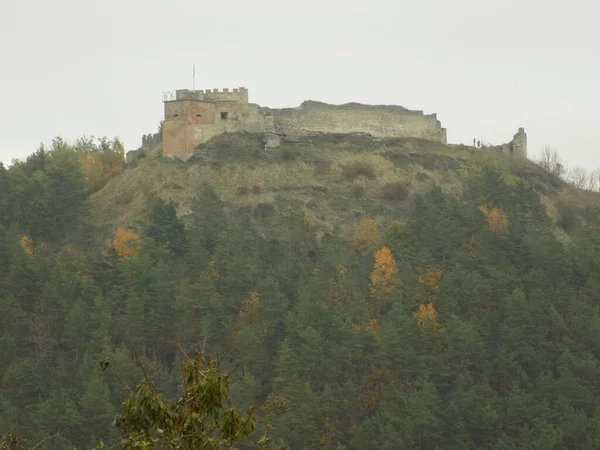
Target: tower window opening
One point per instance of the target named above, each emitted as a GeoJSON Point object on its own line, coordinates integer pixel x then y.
{"type": "Point", "coordinates": [223, 116]}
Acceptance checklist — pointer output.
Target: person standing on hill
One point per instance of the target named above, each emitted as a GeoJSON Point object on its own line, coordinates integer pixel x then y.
{"type": "Point", "coordinates": [478, 143]}
{"type": "Point", "coordinates": [474, 141]}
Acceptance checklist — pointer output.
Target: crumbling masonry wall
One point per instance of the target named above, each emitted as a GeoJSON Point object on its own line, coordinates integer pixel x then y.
{"type": "Point", "coordinates": [519, 143]}
{"type": "Point", "coordinates": [379, 121]}
{"type": "Point", "coordinates": [518, 146]}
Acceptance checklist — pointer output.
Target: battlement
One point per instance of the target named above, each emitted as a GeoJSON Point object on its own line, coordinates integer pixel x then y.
{"type": "Point", "coordinates": [208, 95]}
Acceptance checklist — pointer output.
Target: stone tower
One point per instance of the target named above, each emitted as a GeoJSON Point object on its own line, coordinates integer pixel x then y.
{"type": "Point", "coordinates": [193, 117]}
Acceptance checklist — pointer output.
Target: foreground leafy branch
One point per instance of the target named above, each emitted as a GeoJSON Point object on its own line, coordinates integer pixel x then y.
{"type": "Point", "coordinates": [199, 419]}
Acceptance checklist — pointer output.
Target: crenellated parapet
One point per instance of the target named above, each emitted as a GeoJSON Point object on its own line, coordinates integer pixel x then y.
{"type": "Point", "coordinates": [239, 95]}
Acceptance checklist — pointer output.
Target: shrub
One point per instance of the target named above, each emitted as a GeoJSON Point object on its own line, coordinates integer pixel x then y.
{"type": "Point", "coordinates": [359, 169]}
{"type": "Point", "coordinates": [256, 190]}
{"type": "Point", "coordinates": [323, 167]}
{"type": "Point", "coordinates": [243, 210]}
{"type": "Point", "coordinates": [427, 161]}
{"type": "Point", "coordinates": [421, 176]}
{"type": "Point", "coordinates": [395, 191]}
{"type": "Point", "coordinates": [264, 210]}
{"type": "Point", "coordinates": [242, 190]}
{"type": "Point", "coordinates": [555, 181]}
{"type": "Point", "coordinates": [358, 191]}
{"type": "Point", "coordinates": [568, 216]}
{"type": "Point", "coordinates": [289, 155]}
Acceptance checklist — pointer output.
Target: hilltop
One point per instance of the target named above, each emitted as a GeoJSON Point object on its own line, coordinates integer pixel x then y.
{"type": "Point", "coordinates": [337, 179]}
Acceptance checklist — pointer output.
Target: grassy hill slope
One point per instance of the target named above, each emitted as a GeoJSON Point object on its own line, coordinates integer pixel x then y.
{"type": "Point", "coordinates": [336, 179]}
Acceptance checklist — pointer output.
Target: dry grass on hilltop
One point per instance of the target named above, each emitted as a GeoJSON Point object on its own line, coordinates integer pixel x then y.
{"type": "Point", "coordinates": [337, 180]}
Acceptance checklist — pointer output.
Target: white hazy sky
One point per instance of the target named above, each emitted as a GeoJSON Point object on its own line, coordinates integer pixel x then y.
{"type": "Point", "coordinates": [82, 67]}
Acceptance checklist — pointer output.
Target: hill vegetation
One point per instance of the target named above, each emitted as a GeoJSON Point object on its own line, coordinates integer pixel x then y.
{"type": "Point", "coordinates": [356, 293]}
{"type": "Point", "coordinates": [337, 179]}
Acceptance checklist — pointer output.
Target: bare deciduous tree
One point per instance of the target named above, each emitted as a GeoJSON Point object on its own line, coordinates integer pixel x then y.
{"type": "Point", "coordinates": [595, 175]}
{"type": "Point", "coordinates": [551, 161]}
{"type": "Point", "coordinates": [592, 181]}
{"type": "Point", "coordinates": [578, 177]}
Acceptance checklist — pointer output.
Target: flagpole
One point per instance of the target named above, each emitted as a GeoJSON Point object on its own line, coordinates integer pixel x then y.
{"type": "Point", "coordinates": [194, 78]}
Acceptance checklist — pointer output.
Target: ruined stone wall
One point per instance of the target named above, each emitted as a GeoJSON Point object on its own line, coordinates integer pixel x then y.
{"type": "Point", "coordinates": [239, 117]}
{"type": "Point", "coordinates": [150, 141]}
{"type": "Point", "coordinates": [518, 146]}
{"type": "Point", "coordinates": [519, 143]}
{"type": "Point", "coordinates": [379, 121]}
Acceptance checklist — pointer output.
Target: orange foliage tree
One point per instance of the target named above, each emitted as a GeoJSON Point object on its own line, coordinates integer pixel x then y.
{"type": "Point", "coordinates": [496, 219]}
{"type": "Point", "coordinates": [426, 314]}
{"type": "Point", "coordinates": [366, 236]}
{"type": "Point", "coordinates": [372, 327]}
{"type": "Point", "coordinates": [382, 282]}
{"type": "Point", "coordinates": [311, 222]}
{"type": "Point", "coordinates": [126, 243]}
{"type": "Point", "coordinates": [27, 245]}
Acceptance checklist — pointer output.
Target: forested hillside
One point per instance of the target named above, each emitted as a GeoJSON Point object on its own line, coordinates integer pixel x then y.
{"type": "Point", "coordinates": [458, 309]}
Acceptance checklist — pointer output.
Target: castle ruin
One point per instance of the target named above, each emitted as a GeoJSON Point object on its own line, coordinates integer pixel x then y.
{"type": "Point", "coordinates": [192, 117]}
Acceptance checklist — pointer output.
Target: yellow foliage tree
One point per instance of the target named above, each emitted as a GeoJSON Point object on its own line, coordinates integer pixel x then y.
{"type": "Point", "coordinates": [212, 270]}
{"type": "Point", "coordinates": [470, 247]}
{"type": "Point", "coordinates": [74, 252]}
{"type": "Point", "coordinates": [382, 276]}
{"type": "Point", "coordinates": [366, 236]}
{"type": "Point", "coordinates": [27, 245]}
{"type": "Point", "coordinates": [372, 326]}
{"type": "Point", "coordinates": [426, 314]}
{"type": "Point", "coordinates": [373, 387]}
{"type": "Point", "coordinates": [431, 279]}
{"type": "Point", "coordinates": [249, 306]}
{"type": "Point", "coordinates": [496, 219]}
{"type": "Point", "coordinates": [100, 164]}
{"type": "Point", "coordinates": [311, 222]}
{"type": "Point", "coordinates": [276, 404]}
{"type": "Point", "coordinates": [383, 281]}
{"type": "Point", "coordinates": [336, 284]}
{"type": "Point", "coordinates": [126, 243]}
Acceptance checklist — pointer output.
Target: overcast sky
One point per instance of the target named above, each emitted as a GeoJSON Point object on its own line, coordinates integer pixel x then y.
{"type": "Point", "coordinates": [82, 67]}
